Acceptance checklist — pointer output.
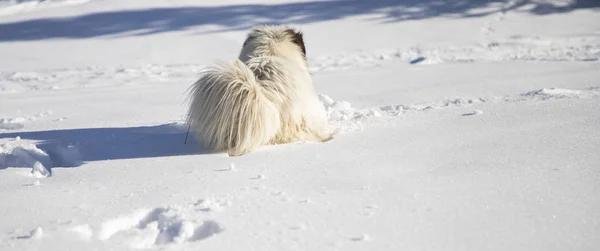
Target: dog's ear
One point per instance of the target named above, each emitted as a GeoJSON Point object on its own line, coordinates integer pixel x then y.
{"type": "Point", "coordinates": [297, 39]}
{"type": "Point", "coordinates": [249, 37]}
{"type": "Point", "coordinates": [247, 40]}
{"type": "Point", "coordinates": [253, 34]}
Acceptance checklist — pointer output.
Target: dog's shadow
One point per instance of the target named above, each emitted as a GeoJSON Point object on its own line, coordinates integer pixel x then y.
{"type": "Point", "coordinates": [74, 147]}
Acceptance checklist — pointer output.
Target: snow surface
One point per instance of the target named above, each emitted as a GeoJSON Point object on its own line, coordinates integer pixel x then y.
{"type": "Point", "coordinates": [464, 125]}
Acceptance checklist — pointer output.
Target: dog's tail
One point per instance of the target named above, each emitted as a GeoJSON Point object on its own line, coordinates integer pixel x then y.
{"type": "Point", "coordinates": [229, 110]}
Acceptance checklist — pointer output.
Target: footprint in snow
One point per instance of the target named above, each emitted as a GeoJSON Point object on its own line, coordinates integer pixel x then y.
{"type": "Point", "coordinates": [151, 228]}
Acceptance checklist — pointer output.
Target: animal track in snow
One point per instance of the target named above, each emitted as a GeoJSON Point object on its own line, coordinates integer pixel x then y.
{"type": "Point", "coordinates": [148, 228]}
{"type": "Point", "coordinates": [502, 49]}
{"type": "Point", "coordinates": [56, 79]}
{"type": "Point", "coordinates": [556, 93]}
{"type": "Point", "coordinates": [154, 227]}
{"type": "Point", "coordinates": [511, 49]}
{"type": "Point", "coordinates": [347, 118]}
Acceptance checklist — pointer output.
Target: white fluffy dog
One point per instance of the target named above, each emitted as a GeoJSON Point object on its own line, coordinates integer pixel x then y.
{"type": "Point", "coordinates": [265, 97]}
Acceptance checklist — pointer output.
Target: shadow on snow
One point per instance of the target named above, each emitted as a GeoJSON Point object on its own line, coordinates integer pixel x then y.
{"type": "Point", "coordinates": [239, 17]}
{"type": "Point", "coordinates": [74, 147]}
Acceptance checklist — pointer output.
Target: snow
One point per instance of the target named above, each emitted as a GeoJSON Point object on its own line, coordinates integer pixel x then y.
{"type": "Point", "coordinates": [462, 125]}
{"type": "Point", "coordinates": [10, 7]}
{"type": "Point", "coordinates": [11, 123]}
{"type": "Point", "coordinates": [159, 226]}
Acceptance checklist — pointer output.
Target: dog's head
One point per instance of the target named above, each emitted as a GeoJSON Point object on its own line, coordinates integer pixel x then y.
{"type": "Point", "coordinates": [278, 41]}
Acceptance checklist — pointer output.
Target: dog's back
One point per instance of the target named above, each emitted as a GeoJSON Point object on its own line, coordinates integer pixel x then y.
{"type": "Point", "coordinates": [265, 97]}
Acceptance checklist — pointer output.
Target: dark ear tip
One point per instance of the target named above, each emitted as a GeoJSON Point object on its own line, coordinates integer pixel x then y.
{"type": "Point", "coordinates": [298, 39]}
{"type": "Point", "coordinates": [294, 31]}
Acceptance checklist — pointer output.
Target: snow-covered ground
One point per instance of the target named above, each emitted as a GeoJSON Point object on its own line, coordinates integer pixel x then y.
{"type": "Point", "coordinates": [466, 125]}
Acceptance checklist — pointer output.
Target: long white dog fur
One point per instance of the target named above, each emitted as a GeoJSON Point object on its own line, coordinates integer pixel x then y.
{"type": "Point", "coordinates": [264, 97]}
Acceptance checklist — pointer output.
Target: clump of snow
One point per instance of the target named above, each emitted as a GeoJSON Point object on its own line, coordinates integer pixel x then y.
{"type": "Point", "coordinates": [374, 113]}
{"type": "Point", "coordinates": [337, 110]}
{"type": "Point", "coordinates": [155, 227]}
{"type": "Point", "coordinates": [343, 116]}
{"type": "Point", "coordinates": [19, 153]}
{"type": "Point", "coordinates": [326, 100]}
{"type": "Point", "coordinates": [84, 231]}
{"type": "Point", "coordinates": [40, 171]}
{"type": "Point", "coordinates": [22, 154]}
{"type": "Point", "coordinates": [232, 167]}
{"type": "Point", "coordinates": [393, 109]}
{"type": "Point", "coordinates": [210, 204]}
{"type": "Point", "coordinates": [113, 226]}
{"type": "Point", "coordinates": [363, 237]}
{"type": "Point", "coordinates": [37, 233]}
{"type": "Point", "coordinates": [12, 123]}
